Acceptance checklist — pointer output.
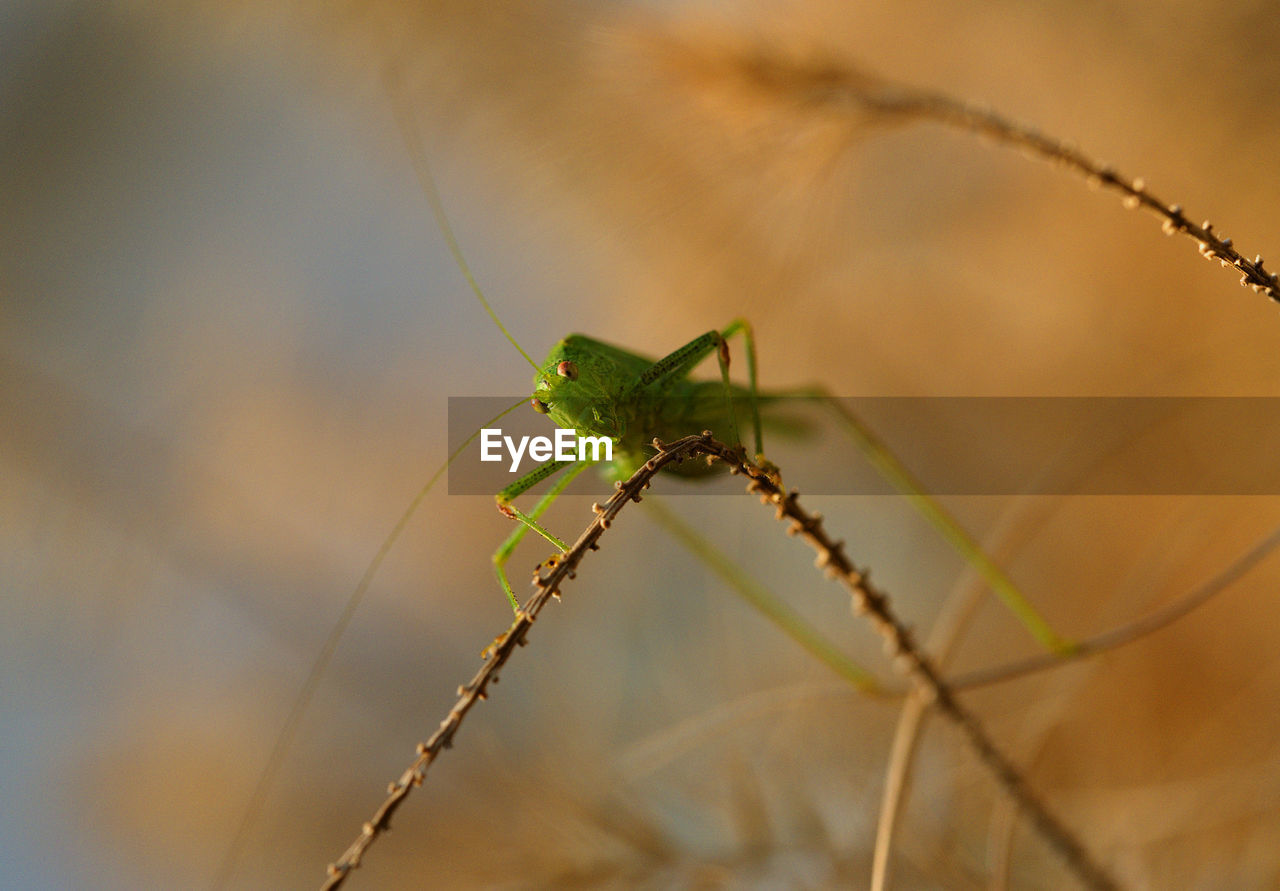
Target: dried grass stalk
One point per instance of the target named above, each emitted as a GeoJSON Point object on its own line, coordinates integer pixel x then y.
{"type": "Point", "coordinates": [868, 601]}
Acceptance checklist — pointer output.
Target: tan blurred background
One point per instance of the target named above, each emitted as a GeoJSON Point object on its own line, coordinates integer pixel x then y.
{"type": "Point", "coordinates": [229, 328]}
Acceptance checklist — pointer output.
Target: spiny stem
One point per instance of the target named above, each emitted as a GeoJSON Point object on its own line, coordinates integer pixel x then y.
{"type": "Point", "coordinates": [872, 603]}
{"type": "Point", "coordinates": [1212, 246]}
{"type": "Point", "coordinates": [562, 567]}
{"type": "Point", "coordinates": [867, 599]}
{"type": "Point", "coordinates": [841, 88]}
{"type": "Point", "coordinates": [887, 464]}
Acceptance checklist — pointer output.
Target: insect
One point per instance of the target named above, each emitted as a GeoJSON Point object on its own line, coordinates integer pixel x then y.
{"type": "Point", "coordinates": [602, 390]}
{"type": "Point", "coordinates": [588, 385]}
{"type": "Point", "coordinates": [605, 391]}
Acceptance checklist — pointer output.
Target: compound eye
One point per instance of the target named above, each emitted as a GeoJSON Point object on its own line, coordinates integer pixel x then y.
{"type": "Point", "coordinates": [539, 406]}
{"type": "Point", "coordinates": [567, 370]}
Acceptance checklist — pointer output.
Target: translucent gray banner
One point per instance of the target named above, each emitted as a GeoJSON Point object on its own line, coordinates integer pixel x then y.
{"type": "Point", "coordinates": [964, 445]}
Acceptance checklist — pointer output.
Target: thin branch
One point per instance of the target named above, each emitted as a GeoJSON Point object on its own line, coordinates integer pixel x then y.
{"type": "Point", "coordinates": [561, 567]}
{"type": "Point", "coordinates": [902, 752]}
{"type": "Point", "coordinates": [1212, 246]}
{"type": "Point", "coordinates": [949, 627]}
{"type": "Point", "coordinates": [867, 600]}
{"type": "Point", "coordinates": [908, 658]}
{"type": "Point", "coordinates": [1125, 634]}
{"type": "Point", "coordinates": [819, 82]}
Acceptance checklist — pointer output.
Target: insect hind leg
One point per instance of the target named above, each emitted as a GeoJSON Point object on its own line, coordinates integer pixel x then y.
{"type": "Point", "coordinates": [743, 327]}
{"type": "Point", "coordinates": [678, 364]}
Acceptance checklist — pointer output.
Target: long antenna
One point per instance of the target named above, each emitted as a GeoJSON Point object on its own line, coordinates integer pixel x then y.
{"type": "Point", "coordinates": [407, 122]}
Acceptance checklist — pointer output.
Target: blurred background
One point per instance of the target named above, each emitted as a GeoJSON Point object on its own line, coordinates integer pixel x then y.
{"type": "Point", "coordinates": [229, 327]}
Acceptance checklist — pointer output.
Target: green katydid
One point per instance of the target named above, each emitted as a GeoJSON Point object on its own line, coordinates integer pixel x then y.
{"type": "Point", "coordinates": [603, 390]}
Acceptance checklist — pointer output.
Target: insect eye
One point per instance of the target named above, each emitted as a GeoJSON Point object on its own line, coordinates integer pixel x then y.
{"type": "Point", "coordinates": [539, 406]}
{"type": "Point", "coordinates": [568, 370]}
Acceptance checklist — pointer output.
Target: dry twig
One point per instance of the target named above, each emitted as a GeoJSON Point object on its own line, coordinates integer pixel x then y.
{"type": "Point", "coordinates": [561, 567]}
{"type": "Point", "coordinates": [1212, 246]}
{"type": "Point", "coordinates": [826, 84]}
{"type": "Point", "coordinates": [1125, 634]}
{"type": "Point", "coordinates": [867, 601]}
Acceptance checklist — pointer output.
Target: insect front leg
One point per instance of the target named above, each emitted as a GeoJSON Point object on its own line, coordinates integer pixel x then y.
{"type": "Point", "coordinates": [530, 520]}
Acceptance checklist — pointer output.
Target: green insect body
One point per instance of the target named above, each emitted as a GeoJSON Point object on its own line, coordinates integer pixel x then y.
{"type": "Point", "coordinates": [598, 389]}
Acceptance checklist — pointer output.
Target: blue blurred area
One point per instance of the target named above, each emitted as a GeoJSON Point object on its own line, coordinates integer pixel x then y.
{"type": "Point", "coordinates": [206, 279]}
